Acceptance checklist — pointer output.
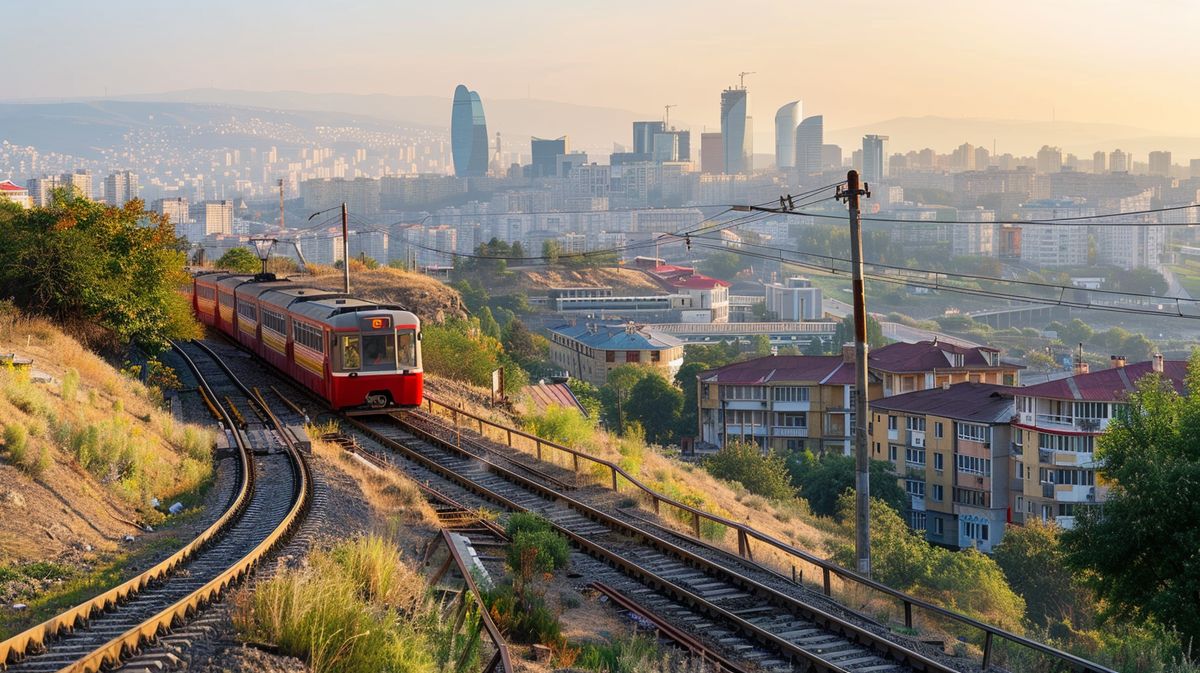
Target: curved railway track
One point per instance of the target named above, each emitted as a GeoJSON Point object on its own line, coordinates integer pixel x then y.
{"type": "Point", "coordinates": [270, 499]}
{"type": "Point", "coordinates": [739, 614]}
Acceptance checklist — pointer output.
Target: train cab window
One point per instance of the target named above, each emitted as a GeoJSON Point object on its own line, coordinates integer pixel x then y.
{"type": "Point", "coordinates": [379, 352]}
{"type": "Point", "coordinates": [408, 349]}
{"type": "Point", "coordinates": [351, 352]}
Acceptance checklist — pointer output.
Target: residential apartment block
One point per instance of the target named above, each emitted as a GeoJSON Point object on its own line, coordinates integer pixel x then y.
{"type": "Point", "coordinates": [905, 367]}
{"type": "Point", "coordinates": [590, 351]}
{"type": "Point", "coordinates": [1053, 471]}
{"type": "Point", "coordinates": [950, 445]}
{"type": "Point", "coordinates": [782, 403]}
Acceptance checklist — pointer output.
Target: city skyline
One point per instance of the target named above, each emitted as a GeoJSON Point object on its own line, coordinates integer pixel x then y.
{"type": "Point", "coordinates": [1044, 53]}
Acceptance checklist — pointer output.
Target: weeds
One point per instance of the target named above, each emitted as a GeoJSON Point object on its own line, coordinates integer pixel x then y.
{"type": "Point", "coordinates": [69, 388]}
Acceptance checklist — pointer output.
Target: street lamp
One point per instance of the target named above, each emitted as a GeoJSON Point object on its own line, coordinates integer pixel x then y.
{"type": "Point", "coordinates": [263, 246]}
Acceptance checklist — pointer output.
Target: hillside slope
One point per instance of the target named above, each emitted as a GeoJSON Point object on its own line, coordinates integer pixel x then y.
{"type": "Point", "coordinates": [428, 297]}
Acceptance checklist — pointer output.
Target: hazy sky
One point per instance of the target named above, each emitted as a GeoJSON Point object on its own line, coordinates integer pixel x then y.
{"type": "Point", "coordinates": [1128, 62]}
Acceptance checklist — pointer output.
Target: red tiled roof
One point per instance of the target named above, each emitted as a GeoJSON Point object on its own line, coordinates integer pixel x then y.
{"type": "Point", "coordinates": [699, 283]}
{"type": "Point", "coordinates": [8, 186]}
{"type": "Point", "coordinates": [763, 370]}
{"type": "Point", "coordinates": [1106, 385]}
{"type": "Point", "coordinates": [976, 402]}
{"type": "Point", "coordinates": [546, 395]}
{"type": "Point", "coordinates": [926, 356]}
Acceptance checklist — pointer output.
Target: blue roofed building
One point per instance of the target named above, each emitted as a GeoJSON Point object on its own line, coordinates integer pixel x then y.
{"type": "Point", "coordinates": [589, 351]}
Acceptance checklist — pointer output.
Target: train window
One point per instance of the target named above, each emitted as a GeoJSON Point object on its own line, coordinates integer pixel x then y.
{"type": "Point", "coordinates": [351, 352]}
{"type": "Point", "coordinates": [379, 352]}
{"type": "Point", "coordinates": [408, 349]}
{"type": "Point", "coordinates": [274, 322]}
{"type": "Point", "coordinates": [308, 336]}
{"type": "Point", "coordinates": [247, 310]}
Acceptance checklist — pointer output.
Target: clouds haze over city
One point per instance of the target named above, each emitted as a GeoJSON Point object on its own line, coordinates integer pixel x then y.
{"type": "Point", "coordinates": [855, 62]}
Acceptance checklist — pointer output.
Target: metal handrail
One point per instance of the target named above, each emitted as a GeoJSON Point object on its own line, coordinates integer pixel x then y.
{"type": "Point", "coordinates": [827, 567]}
{"type": "Point", "coordinates": [493, 630]}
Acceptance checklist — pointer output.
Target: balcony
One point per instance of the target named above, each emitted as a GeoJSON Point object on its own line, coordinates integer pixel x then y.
{"type": "Point", "coordinates": [1047, 490]}
{"type": "Point", "coordinates": [1075, 459]}
{"type": "Point", "coordinates": [733, 430]}
{"type": "Point", "coordinates": [1017, 449]}
{"type": "Point", "coordinates": [1046, 456]}
{"type": "Point", "coordinates": [1070, 493]}
{"type": "Point", "coordinates": [917, 438]}
{"type": "Point", "coordinates": [792, 406]}
{"type": "Point", "coordinates": [917, 503]}
{"type": "Point", "coordinates": [1065, 522]}
{"type": "Point", "coordinates": [1072, 423]}
{"type": "Point", "coordinates": [789, 431]}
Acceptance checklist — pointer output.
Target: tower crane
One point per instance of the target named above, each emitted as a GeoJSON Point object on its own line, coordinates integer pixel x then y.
{"type": "Point", "coordinates": [667, 118]}
{"type": "Point", "coordinates": [742, 78]}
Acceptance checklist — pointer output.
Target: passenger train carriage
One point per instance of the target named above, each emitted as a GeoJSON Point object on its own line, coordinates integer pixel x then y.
{"type": "Point", "coordinates": [351, 352]}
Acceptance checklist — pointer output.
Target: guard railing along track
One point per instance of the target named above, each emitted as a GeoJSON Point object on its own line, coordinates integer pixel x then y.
{"type": "Point", "coordinates": [745, 534]}
{"type": "Point", "coordinates": [129, 640]}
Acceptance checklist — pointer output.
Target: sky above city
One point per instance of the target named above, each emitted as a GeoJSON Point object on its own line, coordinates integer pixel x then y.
{"type": "Point", "coordinates": [1127, 62]}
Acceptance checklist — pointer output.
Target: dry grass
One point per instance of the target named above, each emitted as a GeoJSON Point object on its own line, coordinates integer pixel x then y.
{"type": "Point", "coordinates": [97, 447]}
{"type": "Point", "coordinates": [428, 297]}
{"type": "Point", "coordinates": [393, 497]}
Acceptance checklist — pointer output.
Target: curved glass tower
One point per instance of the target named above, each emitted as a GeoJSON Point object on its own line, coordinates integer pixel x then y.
{"type": "Point", "coordinates": [468, 134]}
{"type": "Point", "coordinates": [735, 132]}
{"type": "Point", "coordinates": [810, 136]}
{"type": "Point", "coordinates": [786, 121]}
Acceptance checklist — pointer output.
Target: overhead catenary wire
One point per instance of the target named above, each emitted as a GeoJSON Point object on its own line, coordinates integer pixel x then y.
{"type": "Point", "coordinates": [1078, 221]}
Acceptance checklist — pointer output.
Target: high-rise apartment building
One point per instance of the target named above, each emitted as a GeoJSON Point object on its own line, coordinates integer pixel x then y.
{"type": "Point", "coordinates": [1049, 159]}
{"type": "Point", "coordinates": [1099, 163]}
{"type": "Point", "coordinates": [1120, 162]}
{"type": "Point", "coordinates": [175, 210]}
{"type": "Point", "coordinates": [41, 190]}
{"type": "Point", "coordinates": [80, 181]}
{"type": "Point", "coordinates": [218, 217]}
{"type": "Point", "coordinates": [545, 155]}
{"type": "Point", "coordinates": [1194, 168]}
{"type": "Point", "coordinates": [831, 156]}
{"type": "Point", "coordinates": [810, 138]}
{"type": "Point", "coordinates": [736, 138]}
{"type": "Point", "coordinates": [1160, 163]}
{"type": "Point", "coordinates": [787, 118]}
{"type": "Point", "coordinates": [468, 134]}
{"type": "Point", "coordinates": [361, 195]}
{"type": "Point", "coordinates": [712, 153]}
{"type": "Point", "coordinates": [120, 188]}
{"type": "Point", "coordinates": [874, 158]}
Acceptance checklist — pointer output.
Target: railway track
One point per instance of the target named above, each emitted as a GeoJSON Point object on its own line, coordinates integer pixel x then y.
{"type": "Point", "coordinates": [734, 612]}
{"type": "Point", "coordinates": [269, 501]}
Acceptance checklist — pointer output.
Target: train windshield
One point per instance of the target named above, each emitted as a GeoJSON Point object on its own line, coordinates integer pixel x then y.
{"type": "Point", "coordinates": [408, 349]}
{"type": "Point", "coordinates": [379, 352]}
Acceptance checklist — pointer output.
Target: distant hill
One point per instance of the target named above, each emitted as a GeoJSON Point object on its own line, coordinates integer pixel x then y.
{"type": "Point", "coordinates": [1018, 137]}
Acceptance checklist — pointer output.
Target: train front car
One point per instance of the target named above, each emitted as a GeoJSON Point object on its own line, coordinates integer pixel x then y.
{"type": "Point", "coordinates": [376, 358]}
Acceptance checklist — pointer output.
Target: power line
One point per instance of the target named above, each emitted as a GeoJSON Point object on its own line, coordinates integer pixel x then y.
{"type": "Point", "coordinates": [1058, 221]}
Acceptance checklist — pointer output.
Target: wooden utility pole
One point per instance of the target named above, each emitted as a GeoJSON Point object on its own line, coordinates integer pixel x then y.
{"type": "Point", "coordinates": [862, 457]}
{"type": "Point", "coordinates": [345, 250]}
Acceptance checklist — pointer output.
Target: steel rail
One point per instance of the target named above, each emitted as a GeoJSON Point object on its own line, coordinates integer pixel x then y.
{"type": "Point", "coordinates": [501, 656]}
{"type": "Point", "coordinates": [746, 533]}
{"type": "Point", "coordinates": [826, 620]}
{"type": "Point", "coordinates": [35, 638]}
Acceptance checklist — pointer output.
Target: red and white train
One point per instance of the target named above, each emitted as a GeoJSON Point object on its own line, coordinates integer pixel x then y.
{"type": "Point", "coordinates": [352, 353]}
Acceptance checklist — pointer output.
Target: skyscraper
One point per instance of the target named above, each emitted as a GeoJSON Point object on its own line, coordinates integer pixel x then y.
{"type": "Point", "coordinates": [737, 143]}
{"type": "Point", "coordinates": [1049, 159]}
{"type": "Point", "coordinates": [874, 158]}
{"type": "Point", "coordinates": [468, 134]}
{"type": "Point", "coordinates": [643, 136]}
{"type": "Point", "coordinates": [712, 153]}
{"type": "Point", "coordinates": [810, 136]}
{"type": "Point", "coordinates": [787, 118]}
{"type": "Point", "coordinates": [1119, 162]}
{"type": "Point", "coordinates": [1160, 163]}
{"type": "Point", "coordinates": [1099, 161]}
{"type": "Point", "coordinates": [120, 188]}
{"type": "Point", "coordinates": [545, 156]}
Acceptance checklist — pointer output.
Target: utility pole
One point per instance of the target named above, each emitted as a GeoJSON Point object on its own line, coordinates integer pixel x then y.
{"type": "Point", "coordinates": [862, 457]}
{"type": "Point", "coordinates": [345, 250]}
{"type": "Point", "coordinates": [281, 225]}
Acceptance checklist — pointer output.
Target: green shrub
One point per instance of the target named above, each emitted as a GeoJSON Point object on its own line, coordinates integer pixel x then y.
{"type": "Point", "coordinates": [538, 552]}
{"type": "Point", "coordinates": [45, 570]}
{"type": "Point", "coordinates": [69, 388]}
{"type": "Point", "coordinates": [16, 441]}
{"type": "Point", "coordinates": [744, 462]}
{"type": "Point", "coordinates": [560, 424]}
{"type": "Point", "coordinates": [525, 522]}
{"type": "Point", "coordinates": [523, 617]}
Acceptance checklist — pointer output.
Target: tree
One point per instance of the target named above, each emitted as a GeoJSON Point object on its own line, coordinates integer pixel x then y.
{"type": "Point", "coordinates": [723, 265]}
{"type": "Point", "coordinates": [239, 260]}
{"type": "Point", "coordinates": [1138, 552]}
{"type": "Point", "coordinates": [1034, 563]}
{"type": "Point", "coordinates": [588, 396]}
{"type": "Point", "coordinates": [844, 334]}
{"type": "Point", "coordinates": [822, 480]}
{"type": "Point", "coordinates": [531, 351]}
{"type": "Point", "coordinates": [488, 324]}
{"type": "Point", "coordinates": [117, 268]}
{"type": "Point", "coordinates": [551, 249]}
{"type": "Point", "coordinates": [1076, 332]}
{"type": "Point", "coordinates": [760, 345]}
{"type": "Point", "coordinates": [765, 474]}
{"type": "Point", "coordinates": [816, 346]}
{"type": "Point", "coordinates": [655, 404]}
{"type": "Point", "coordinates": [616, 393]}
{"type": "Point", "coordinates": [1137, 348]}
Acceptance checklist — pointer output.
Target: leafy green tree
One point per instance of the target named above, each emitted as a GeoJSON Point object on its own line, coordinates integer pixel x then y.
{"type": "Point", "coordinates": [1139, 553]}
{"type": "Point", "coordinates": [760, 345]}
{"type": "Point", "coordinates": [723, 265]}
{"type": "Point", "coordinates": [551, 249]}
{"type": "Point", "coordinates": [844, 334]}
{"type": "Point", "coordinates": [616, 393]}
{"type": "Point", "coordinates": [488, 324]}
{"type": "Point", "coordinates": [1034, 562]}
{"type": "Point", "coordinates": [474, 297]}
{"type": "Point", "coordinates": [588, 396]}
{"type": "Point", "coordinates": [239, 260]}
{"type": "Point", "coordinates": [531, 351]}
{"type": "Point", "coordinates": [117, 268]}
{"type": "Point", "coordinates": [655, 404]}
{"type": "Point", "coordinates": [459, 349]}
{"type": "Point", "coordinates": [816, 347]}
{"type": "Point", "coordinates": [1137, 348]}
{"type": "Point", "coordinates": [822, 480]}
{"type": "Point", "coordinates": [1076, 332]}
{"type": "Point", "coordinates": [765, 474]}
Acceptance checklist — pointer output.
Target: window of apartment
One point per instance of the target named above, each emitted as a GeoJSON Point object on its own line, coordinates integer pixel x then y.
{"type": "Point", "coordinates": [892, 424]}
{"type": "Point", "coordinates": [1025, 405]}
{"type": "Point", "coordinates": [1075, 477]}
{"type": "Point", "coordinates": [1076, 443]}
{"type": "Point", "coordinates": [892, 452]}
{"type": "Point", "coordinates": [914, 487]}
{"type": "Point", "coordinates": [917, 520]}
{"type": "Point", "coordinates": [744, 392]}
{"type": "Point", "coordinates": [975, 531]}
{"type": "Point", "coordinates": [610, 356]}
{"type": "Point", "coordinates": [937, 430]}
{"type": "Point", "coordinates": [792, 420]}
{"type": "Point", "coordinates": [795, 445]}
{"type": "Point", "coordinates": [790, 394]}
{"type": "Point", "coordinates": [916, 423]}
{"type": "Point", "coordinates": [704, 390]}
{"type": "Point", "coordinates": [914, 457]}
{"type": "Point", "coordinates": [973, 465]}
{"type": "Point", "coordinates": [938, 462]}
{"type": "Point", "coordinates": [655, 356]}
{"type": "Point", "coordinates": [1096, 410]}
{"type": "Point", "coordinates": [633, 356]}
{"type": "Point", "coordinates": [972, 432]}
{"type": "Point", "coordinates": [939, 492]}
{"type": "Point", "coordinates": [938, 526]}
